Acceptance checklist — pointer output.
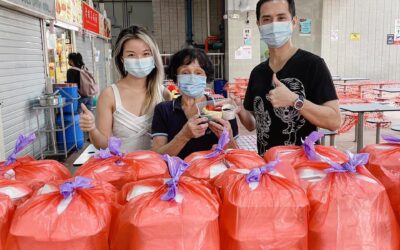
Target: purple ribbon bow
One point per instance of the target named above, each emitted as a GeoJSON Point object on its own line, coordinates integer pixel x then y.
{"type": "Point", "coordinates": [21, 143]}
{"type": "Point", "coordinates": [114, 149]}
{"type": "Point", "coordinates": [350, 166]}
{"type": "Point", "coordinates": [176, 167]}
{"type": "Point", "coordinates": [255, 174]}
{"type": "Point", "coordinates": [69, 187]}
{"type": "Point", "coordinates": [223, 140]}
{"type": "Point", "coordinates": [391, 138]}
{"type": "Point", "coordinates": [309, 147]}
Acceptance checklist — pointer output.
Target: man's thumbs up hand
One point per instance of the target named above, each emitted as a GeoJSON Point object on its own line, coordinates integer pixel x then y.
{"type": "Point", "coordinates": [281, 96]}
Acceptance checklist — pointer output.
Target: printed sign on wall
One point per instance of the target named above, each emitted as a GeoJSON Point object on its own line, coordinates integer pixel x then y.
{"type": "Point", "coordinates": [90, 18]}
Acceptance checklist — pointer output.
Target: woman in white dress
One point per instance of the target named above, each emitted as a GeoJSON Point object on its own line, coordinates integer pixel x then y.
{"type": "Point", "coordinates": [125, 109]}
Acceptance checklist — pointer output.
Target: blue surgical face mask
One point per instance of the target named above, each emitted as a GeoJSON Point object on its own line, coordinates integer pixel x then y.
{"type": "Point", "coordinates": [276, 34]}
{"type": "Point", "coordinates": [139, 68]}
{"type": "Point", "coordinates": [192, 85]}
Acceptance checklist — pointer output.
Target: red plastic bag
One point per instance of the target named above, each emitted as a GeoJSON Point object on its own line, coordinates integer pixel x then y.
{"type": "Point", "coordinates": [118, 169]}
{"type": "Point", "coordinates": [206, 165]}
{"type": "Point", "coordinates": [12, 193]}
{"type": "Point", "coordinates": [75, 214]}
{"type": "Point", "coordinates": [349, 207]}
{"type": "Point", "coordinates": [181, 213]}
{"type": "Point", "coordinates": [261, 210]}
{"type": "Point", "coordinates": [26, 169]}
{"type": "Point", "coordinates": [307, 153]}
{"type": "Point", "coordinates": [384, 164]}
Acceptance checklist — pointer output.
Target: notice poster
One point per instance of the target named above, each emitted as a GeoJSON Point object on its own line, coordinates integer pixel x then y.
{"type": "Point", "coordinates": [243, 53]}
{"type": "Point", "coordinates": [247, 36]}
{"type": "Point", "coordinates": [390, 39]}
{"type": "Point", "coordinates": [355, 37]}
{"type": "Point", "coordinates": [305, 27]}
{"type": "Point", "coordinates": [397, 32]}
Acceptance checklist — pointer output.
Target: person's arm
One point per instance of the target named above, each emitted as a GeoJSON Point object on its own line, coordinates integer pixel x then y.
{"type": "Point", "coordinates": [246, 117]}
{"type": "Point", "coordinates": [100, 130]}
{"type": "Point", "coordinates": [194, 128]}
{"type": "Point", "coordinates": [245, 110]}
{"type": "Point", "coordinates": [326, 115]}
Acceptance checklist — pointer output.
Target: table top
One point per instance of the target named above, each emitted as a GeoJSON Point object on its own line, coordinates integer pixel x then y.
{"type": "Point", "coordinates": [85, 155]}
{"type": "Point", "coordinates": [368, 107]}
{"type": "Point", "coordinates": [389, 90]}
{"type": "Point", "coordinates": [396, 128]}
{"type": "Point", "coordinates": [354, 78]}
{"type": "Point", "coordinates": [336, 78]}
{"type": "Point", "coordinates": [38, 106]}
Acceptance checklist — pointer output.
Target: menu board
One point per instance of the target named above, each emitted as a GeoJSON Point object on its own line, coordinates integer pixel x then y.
{"type": "Point", "coordinates": [69, 11]}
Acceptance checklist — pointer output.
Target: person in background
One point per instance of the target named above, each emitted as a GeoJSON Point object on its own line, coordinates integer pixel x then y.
{"type": "Point", "coordinates": [177, 128]}
{"type": "Point", "coordinates": [125, 109]}
{"type": "Point", "coordinates": [292, 93]}
{"type": "Point", "coordinates": [75, 60]}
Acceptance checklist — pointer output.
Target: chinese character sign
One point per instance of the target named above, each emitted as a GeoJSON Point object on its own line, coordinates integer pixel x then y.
{"type": "Point", "coordinates": [90, 18]}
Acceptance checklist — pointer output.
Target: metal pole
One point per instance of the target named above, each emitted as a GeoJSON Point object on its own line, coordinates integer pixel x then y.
{"type": "Point", "coordinates": [39, 134]}
{"type": "Point", "coordinates": [63, 131]}
{"type": "Point", "coordinates": [73, 124]}
{"type": "Point", "coordinates": [360, 132]}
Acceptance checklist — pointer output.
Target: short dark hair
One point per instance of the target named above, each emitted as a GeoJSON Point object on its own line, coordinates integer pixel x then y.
{"type": "Point", "coordinates": [77, 59]}
{"type": "Point", "coordinates": [185, 57]}
{"type": "Point", "coordinates": [292, 7]}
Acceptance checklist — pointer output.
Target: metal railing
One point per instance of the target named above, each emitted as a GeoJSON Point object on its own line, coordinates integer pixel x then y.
{"type": "Point", "coordinates": [217, 59]}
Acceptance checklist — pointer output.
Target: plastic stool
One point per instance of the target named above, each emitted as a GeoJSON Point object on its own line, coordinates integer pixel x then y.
{"type": "Point", "coordinates": [331, 135]}
{"type": "Point", "coordinates": [379, 123]}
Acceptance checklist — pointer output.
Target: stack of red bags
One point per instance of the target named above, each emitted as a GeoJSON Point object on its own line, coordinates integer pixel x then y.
{"type": "Point", "coordinates": [207, 165]}
{"type": "Point", "coordinates": [349, 207]}
{"type": "Point", "coordinates": [30, 171]}
{"type": "Point", "coordinates": [12, 193]}
{"type": "Point", "coordinates": [74, 214]}
{"type": "Point", "coordinates": [178, 213]}
{"type": "Point", "coordinates": [384, 164]}
{"type": "Point", "coordinates": [111, 166]}
{"type": "Point", "coordinates": [261, 209]}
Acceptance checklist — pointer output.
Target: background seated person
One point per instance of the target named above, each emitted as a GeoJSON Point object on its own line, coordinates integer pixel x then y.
{"type": "Point", "coordinates": [177, 128]}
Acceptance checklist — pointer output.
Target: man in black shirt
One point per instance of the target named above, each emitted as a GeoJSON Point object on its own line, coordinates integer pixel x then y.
{"type": "Point", "coordinates": [292, 93]}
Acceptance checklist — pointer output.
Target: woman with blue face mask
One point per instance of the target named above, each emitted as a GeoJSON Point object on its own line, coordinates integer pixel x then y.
{"type": "Point", "coordinates": [177, 128]}
{"type": "Point", "coordinates": [125, 109]}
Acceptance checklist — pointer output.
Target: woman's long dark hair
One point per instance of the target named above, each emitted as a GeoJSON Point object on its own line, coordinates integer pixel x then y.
{"type": "Point", "coordinates": [76, 58]}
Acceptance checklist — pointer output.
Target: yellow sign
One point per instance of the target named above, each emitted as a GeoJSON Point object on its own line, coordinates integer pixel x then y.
{"type": "Point", "coordinates": [355, 37]}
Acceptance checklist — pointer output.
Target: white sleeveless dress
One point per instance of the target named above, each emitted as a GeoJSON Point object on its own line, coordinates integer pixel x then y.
{"type": "Point", "coordinates": [133, 130]}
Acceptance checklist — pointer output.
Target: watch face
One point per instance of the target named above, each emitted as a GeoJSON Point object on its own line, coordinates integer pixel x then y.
{"type": "Point", "coordinates": [298, 104]}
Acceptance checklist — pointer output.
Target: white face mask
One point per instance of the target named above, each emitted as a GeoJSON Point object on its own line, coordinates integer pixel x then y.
{"type": "Point", "coordinates": [139, 68]}
{"type": "Point", "coordinates": [276, 34]}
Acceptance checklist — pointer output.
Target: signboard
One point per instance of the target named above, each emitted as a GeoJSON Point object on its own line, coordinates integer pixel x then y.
{"type": "Point", "coordinates": [90, 19]}
{"type": "Point", "coordinates": [42, 7]}
{"type": "Point", "coordinates": [69, 11]}
{"type": "Point", "coordinates": [390, 39]}
{"type": "Point", "coordinates": [105, 27]}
